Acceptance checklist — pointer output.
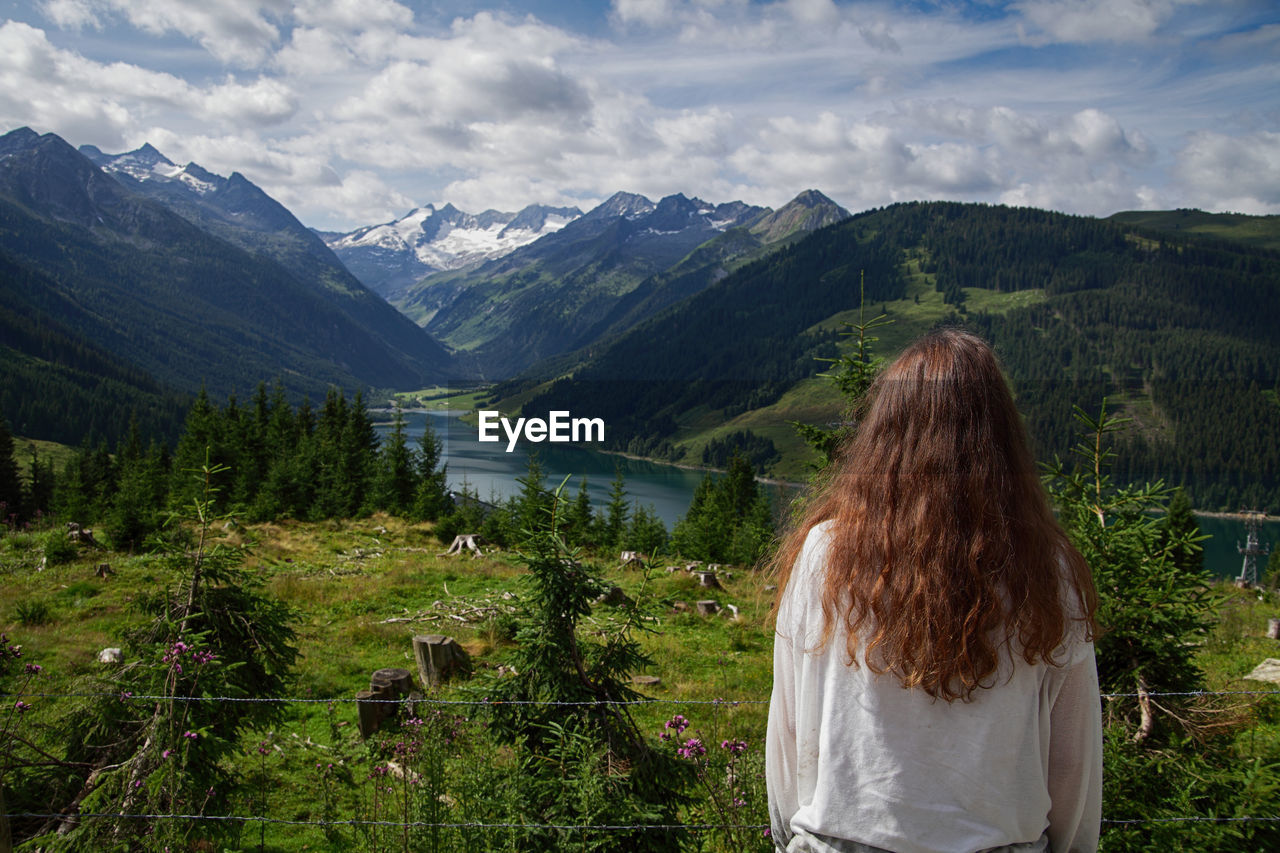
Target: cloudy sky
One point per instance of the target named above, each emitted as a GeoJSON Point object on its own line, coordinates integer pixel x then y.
{"type": "Point", "coordinates": [351, 112]}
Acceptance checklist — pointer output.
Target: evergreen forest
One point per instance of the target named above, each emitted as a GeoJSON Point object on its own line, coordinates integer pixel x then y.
{"type": "Point", "coordinates": [1177, 329]}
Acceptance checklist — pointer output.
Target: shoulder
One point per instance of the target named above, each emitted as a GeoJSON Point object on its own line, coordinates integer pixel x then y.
{"type": "Point", "coordinates": [813, 556]}
{"type": "Point", "coordinates": [803, 592]}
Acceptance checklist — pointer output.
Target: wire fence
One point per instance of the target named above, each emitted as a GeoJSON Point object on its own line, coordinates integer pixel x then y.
{"type": "Point", "coordinates": [417, 703]}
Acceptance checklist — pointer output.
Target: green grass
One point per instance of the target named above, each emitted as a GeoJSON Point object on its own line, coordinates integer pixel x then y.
{"type": "Point", "coordinates": [346, 580]}
{"type": "Point", "coordinates": [45, 451]}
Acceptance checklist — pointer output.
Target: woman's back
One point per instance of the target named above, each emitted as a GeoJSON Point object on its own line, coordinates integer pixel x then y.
{"type": "Point", "coordinates": [896, 769]}
{"type": "Point", "coordinates": [934, 681]}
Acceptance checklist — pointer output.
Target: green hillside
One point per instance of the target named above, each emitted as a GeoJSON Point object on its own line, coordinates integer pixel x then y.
{"type": "Point", "coordinates": [1259, 231]}
{"type": "Point", "coordinates": [1177, 330]}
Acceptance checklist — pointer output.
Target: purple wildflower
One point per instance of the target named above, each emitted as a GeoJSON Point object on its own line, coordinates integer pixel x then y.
{"type": "Point", "coordinates": [692, 748]}
{"type": "Point", "coordinates": [678, 722]}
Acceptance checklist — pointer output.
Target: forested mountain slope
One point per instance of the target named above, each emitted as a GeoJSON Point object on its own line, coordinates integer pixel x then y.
{"type": "Point", "coordinates": [152, 300]}
{"type": "Point", "coordinates": [600, 274]}
{"type": "Point", "coordinates": [1179, 331]}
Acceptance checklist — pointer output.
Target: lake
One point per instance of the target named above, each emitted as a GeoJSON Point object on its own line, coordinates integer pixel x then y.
{"type": "Point", "coordinates": [492, 473]}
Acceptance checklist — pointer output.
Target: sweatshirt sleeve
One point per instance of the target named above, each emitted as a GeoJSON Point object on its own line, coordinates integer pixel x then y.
{"type": "Point", "coordinates": [1075, 760]}
{"type": "Point", "coordinates": [799, 605]}
{"type": "Point", "coordinates": [780, 745]}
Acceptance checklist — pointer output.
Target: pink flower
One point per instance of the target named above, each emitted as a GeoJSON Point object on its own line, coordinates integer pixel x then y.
{"type": "Point", "coordinates": [678, 722]}
{"type": "Point", "coordinates": [21, 707]}
{"type": "Point", "coordinates": [692, 748]}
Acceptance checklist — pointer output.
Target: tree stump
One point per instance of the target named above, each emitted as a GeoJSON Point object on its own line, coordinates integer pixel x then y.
{"type": "Point", "coordinates": [400, 679]}
{"type": "Point", "coordinates": [81, 535]}
{"type": "Point", "coordinates": [103, 570]}
{"type": "Point", "coordinates": [708, 580]}
{"type": "Point", "coordinates": [615, 597]}
{"type": "Point", "coordinates": [379, 702]}
{"type": "Point", "coordinates": [469, 541]}
{"type": "Point", "coordinates": [632, 558]}
{"type": "Point", "coordinates": [439, 658]}
{"type": "Point", "coordinates": [708, 608]}
{"type": "Point", "coordinates": [1273, 629]}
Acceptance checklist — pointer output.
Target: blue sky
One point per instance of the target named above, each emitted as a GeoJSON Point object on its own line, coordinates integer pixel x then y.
{"type": "Point", "coordinates": [353, 111]}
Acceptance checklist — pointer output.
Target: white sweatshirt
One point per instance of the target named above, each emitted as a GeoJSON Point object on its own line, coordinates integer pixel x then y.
{"type": "Point", "coordinates": [852, 756]}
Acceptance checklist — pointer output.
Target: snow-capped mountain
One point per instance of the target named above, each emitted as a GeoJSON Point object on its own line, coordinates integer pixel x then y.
{"type": "Point", "coordinates": [395, 255]}
{"type": "Point", "coordinates": [148, 164]}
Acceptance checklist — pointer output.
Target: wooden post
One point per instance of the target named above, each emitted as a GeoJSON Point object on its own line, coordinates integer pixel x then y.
{"type": "Point", "coordinates": [367, 713]}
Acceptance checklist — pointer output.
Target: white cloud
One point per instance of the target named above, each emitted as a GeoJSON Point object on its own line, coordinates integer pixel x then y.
{"type": "Point", "coordinates": [52, 89]}
{"type": "Point", "coordinates": [376, 105]}
{"type": "Point", "coordinates": [1097, 20]}
{"type": "Point", "coordinates": [239, 32]}
{"type": "Point", "coordinates": [352, 15]}
{"type": "Point", "coordinates": [262, 102]}
{"type": "Point", "coordinates": [650, 12]}
{"type": "Point", "coordinates": [1231, 173]}
{"type": "Point", "coordinates": [313, 53]}
{"type": "Point", "coordinates": [71, 14]}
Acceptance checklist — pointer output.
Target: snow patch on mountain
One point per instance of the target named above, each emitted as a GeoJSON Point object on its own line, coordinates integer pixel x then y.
{"type": "Point", "coordinates": [148, 164]}
{"type": "Point", "coordinates": [439, 238]}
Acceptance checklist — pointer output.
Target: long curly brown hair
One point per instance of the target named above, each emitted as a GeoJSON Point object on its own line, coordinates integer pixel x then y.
{"type": "Point", "coordinates": [944, 550]}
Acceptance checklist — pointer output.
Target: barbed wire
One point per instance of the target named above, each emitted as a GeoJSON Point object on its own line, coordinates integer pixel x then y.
{"type": "Point", "coordinates": [338, 700]}
{"type": "Point", "coordinates": [354, 822]}
{"type": "Point", "coordinates": [412, 824]}
{"type": "Point", "coordinates": [491, 703]}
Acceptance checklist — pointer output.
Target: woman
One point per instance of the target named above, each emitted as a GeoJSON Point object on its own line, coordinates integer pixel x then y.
{"type": "Point", "coordinates": [934, 678]}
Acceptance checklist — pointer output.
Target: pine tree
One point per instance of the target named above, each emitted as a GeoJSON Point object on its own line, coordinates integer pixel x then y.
{"type": "Point", "coordinates": [1181, 534]}
{"type": "Point", "coordinates": [394, 486]}
{"type": "Point", "coordinates": [359, 456]}
{"type": "Point", "coordinates": [531, 506]}
{"type": "Point", "coordinates": [10, 482]}
{"type": "Point", "coordinates": [431, 497]}
{"type": "Point", "coordinates": [38, 498]}
{"type": "Point", "coordinates": [135, 506]}
{"type": "Point", "coordinates": [615, 527]}
{"type": "Point", "coordinates": [577, 526]}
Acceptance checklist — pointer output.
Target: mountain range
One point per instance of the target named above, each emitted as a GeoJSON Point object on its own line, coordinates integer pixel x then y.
{"type": "Point", "coordinates": [176, 278]}
{"type": "Point", "coordinates": [129, 282]}
{"type": "Point", "coordinates": [393, 256]}
{"type": "Point", "coordinates": [599, 275]}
